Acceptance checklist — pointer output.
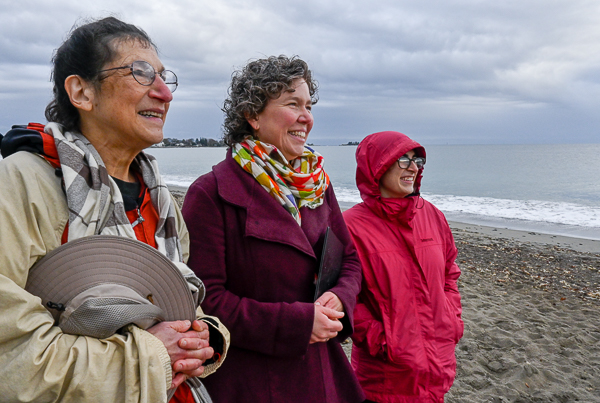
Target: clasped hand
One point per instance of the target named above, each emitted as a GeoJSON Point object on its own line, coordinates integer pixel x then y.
{"type": "Point", "coordinates": [188, 347]}
{"type": "Point", "coordinates": [328, 312]}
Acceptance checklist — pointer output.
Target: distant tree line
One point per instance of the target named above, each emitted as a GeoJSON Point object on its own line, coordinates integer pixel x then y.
{"type": "Point", "coordinates": [204, 142]}
{"type": "Point", "coordinates": [198, 142]}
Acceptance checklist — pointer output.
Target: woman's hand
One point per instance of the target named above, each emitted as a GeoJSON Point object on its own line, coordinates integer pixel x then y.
{"type": "Point", "coordinates": [326, 323]}
{"type": "Point", "coordinates": [198, 340]}
{"type": "Point", "coordinates": [187, 345]}
{"type": "Point", "coordinates": [330, 300]}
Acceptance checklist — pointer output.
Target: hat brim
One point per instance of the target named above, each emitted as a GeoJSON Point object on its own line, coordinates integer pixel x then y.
{"type": "Point", "coordinates": [104, 259]}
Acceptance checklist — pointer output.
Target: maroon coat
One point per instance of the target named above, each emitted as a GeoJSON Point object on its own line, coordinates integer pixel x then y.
{"type": "Point", "coordinates": [258, 267]}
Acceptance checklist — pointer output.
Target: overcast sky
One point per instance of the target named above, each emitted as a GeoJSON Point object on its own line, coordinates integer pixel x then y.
{"type": "Point", "coordinates": [443, 72]}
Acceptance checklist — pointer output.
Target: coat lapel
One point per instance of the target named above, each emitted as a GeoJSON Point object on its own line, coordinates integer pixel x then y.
{"type": "Point", "coordinates": [266, 219]}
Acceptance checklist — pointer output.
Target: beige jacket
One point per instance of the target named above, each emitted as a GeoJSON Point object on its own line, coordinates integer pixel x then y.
{"type": "Point", "coordinates": [39, 363]}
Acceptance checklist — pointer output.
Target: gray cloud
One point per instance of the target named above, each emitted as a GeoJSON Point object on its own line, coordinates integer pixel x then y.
{"type": "Point", "coordinates": [453, 71]}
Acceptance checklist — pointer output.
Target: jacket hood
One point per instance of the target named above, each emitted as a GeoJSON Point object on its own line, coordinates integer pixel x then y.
{"type": "Point", "coordinates": [375, 155]}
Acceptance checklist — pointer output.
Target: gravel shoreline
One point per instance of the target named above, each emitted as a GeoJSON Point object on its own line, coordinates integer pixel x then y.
{"type": "Point", "coordinates": [532, 321]}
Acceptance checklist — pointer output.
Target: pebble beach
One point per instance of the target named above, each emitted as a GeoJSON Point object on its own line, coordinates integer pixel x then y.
{"type": "Point", "coordinates": [531, 307]}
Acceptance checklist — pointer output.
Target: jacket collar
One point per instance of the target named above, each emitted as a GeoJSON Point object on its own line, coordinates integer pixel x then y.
{"type": "Point", "coordinates": [265, 218]}
{"type": "Point", "coordinates": [401, 211]}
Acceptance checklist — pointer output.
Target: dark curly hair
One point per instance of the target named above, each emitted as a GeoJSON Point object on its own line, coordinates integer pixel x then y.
{"type": "Point", "coordinates": [253, 86]}
{"type": "Point", "coordinates": [88, 48]}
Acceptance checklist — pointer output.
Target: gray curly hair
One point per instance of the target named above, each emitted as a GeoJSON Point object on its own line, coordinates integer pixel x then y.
{"type": "Point", "coordinates": [254, 85]}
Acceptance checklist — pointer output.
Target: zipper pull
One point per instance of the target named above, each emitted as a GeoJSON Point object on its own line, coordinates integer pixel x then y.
{"type": "Point", "coordinates": [139, 220]}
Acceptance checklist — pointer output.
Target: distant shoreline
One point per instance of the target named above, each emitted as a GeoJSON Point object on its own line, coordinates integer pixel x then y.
{"type": "Point", "coordinates": [154, 147]}
{"type": "Point", "coordinates": [309, 145]}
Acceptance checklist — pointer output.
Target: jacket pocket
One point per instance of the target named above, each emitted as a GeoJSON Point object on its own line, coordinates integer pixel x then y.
{"type": "Point", "coordinates": [454, 323]}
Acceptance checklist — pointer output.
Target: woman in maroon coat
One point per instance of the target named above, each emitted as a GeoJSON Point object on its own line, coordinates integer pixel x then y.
{"type": "Point", "coordinates": [257, 224]}
{"type": "Point", "coordinates": [408, 314]}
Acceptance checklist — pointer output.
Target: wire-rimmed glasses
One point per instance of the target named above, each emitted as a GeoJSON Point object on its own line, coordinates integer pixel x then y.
{"type": "Point", "coordinates": [144, 74]}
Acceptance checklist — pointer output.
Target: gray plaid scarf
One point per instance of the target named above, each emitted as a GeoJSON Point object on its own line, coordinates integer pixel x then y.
{"type": "Point", "coordinates": [95, 201]}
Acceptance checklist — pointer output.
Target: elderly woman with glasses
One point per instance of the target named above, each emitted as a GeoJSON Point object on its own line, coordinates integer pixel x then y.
{"type": "Point", "coordinates": [82, 174]}
{"type": "Point", "coordinates": [257, 224]}
{"type": "Point", "coordinates": [407, 318]}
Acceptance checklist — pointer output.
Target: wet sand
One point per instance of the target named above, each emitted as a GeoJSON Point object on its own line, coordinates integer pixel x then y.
{"type": "Point", "coordinates": [531, 306]}
{"type": "Point", "coordinates": [532, 319]}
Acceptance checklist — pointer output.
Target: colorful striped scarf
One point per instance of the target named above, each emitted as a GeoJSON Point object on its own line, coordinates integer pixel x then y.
{"type": "Point", "coordinates": [303, 183]}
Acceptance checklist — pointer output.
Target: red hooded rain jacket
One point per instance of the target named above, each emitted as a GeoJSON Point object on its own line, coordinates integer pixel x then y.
{"type": "Point", "coordinates": [407, 320]}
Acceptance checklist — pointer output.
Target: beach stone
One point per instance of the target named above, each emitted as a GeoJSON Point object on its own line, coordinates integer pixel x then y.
{"type": "Point", "coordinates": [347, 347]}
{"type": "Point", "coordinates": [506, 342]}
{"type": "Point", "coordinates": [468, 346]}
{"type": "Point", "coordinates": [178, 196]}
{"type": "Point", "coordinates": [480, 382]}
{"type": "Point", "coordinates": [496, 366]}
{"type": "Point", "coordinates": [529, 369]}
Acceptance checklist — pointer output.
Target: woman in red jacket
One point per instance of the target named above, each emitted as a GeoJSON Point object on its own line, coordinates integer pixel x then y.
{"type": "Point", "coordinates": [407, 320]}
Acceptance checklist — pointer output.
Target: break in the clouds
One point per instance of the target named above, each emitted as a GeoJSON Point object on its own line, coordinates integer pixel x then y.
{"type": "Point", "coordinates": [451, 71]}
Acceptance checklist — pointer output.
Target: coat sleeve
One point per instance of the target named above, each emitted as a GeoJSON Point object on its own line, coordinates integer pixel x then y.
{"type": "Point", "coordinates": [254, 325]}
{"type": "Point", "coordinates": [452, 273]}
{"type": "Point", "coordinates": [219, 340]}
{"type": "Point", "coordinates": [348, 285]}
{"type": "Point", "coordinates": [39, 363]}
{"type": "Point", "coordinates": [369, 332]}
{"type": "Point", "coordinates": [218, 333]}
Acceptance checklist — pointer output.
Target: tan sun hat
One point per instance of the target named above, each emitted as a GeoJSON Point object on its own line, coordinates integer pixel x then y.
{"type": "Point", "coordinates": [93, 286]}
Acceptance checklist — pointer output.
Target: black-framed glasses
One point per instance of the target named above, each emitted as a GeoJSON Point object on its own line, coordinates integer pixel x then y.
{"type": "Point", "coordinates": [144, 74]}
{"type": "Point", "coordinates": [404, 162]}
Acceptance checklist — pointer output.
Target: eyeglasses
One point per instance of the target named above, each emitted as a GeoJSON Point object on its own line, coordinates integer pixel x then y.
{"type": "Point", "coordinates": [404, 162]}
{"type": "Point", "coordinates": [144, 74]}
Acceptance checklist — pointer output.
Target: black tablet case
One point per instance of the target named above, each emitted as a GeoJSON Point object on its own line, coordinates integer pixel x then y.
{"type": "Point", "coordinates": [331, 263]}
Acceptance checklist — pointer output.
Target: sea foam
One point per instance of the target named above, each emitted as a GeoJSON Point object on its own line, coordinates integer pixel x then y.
{"type": "Point", "coordinates": [544, 216]}
{"type": "Point", "coordinates": [527, 210]}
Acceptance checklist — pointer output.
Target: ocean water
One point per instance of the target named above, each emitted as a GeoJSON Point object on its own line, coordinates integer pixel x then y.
{"type": "Point", "coordinates": [552, 189]}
